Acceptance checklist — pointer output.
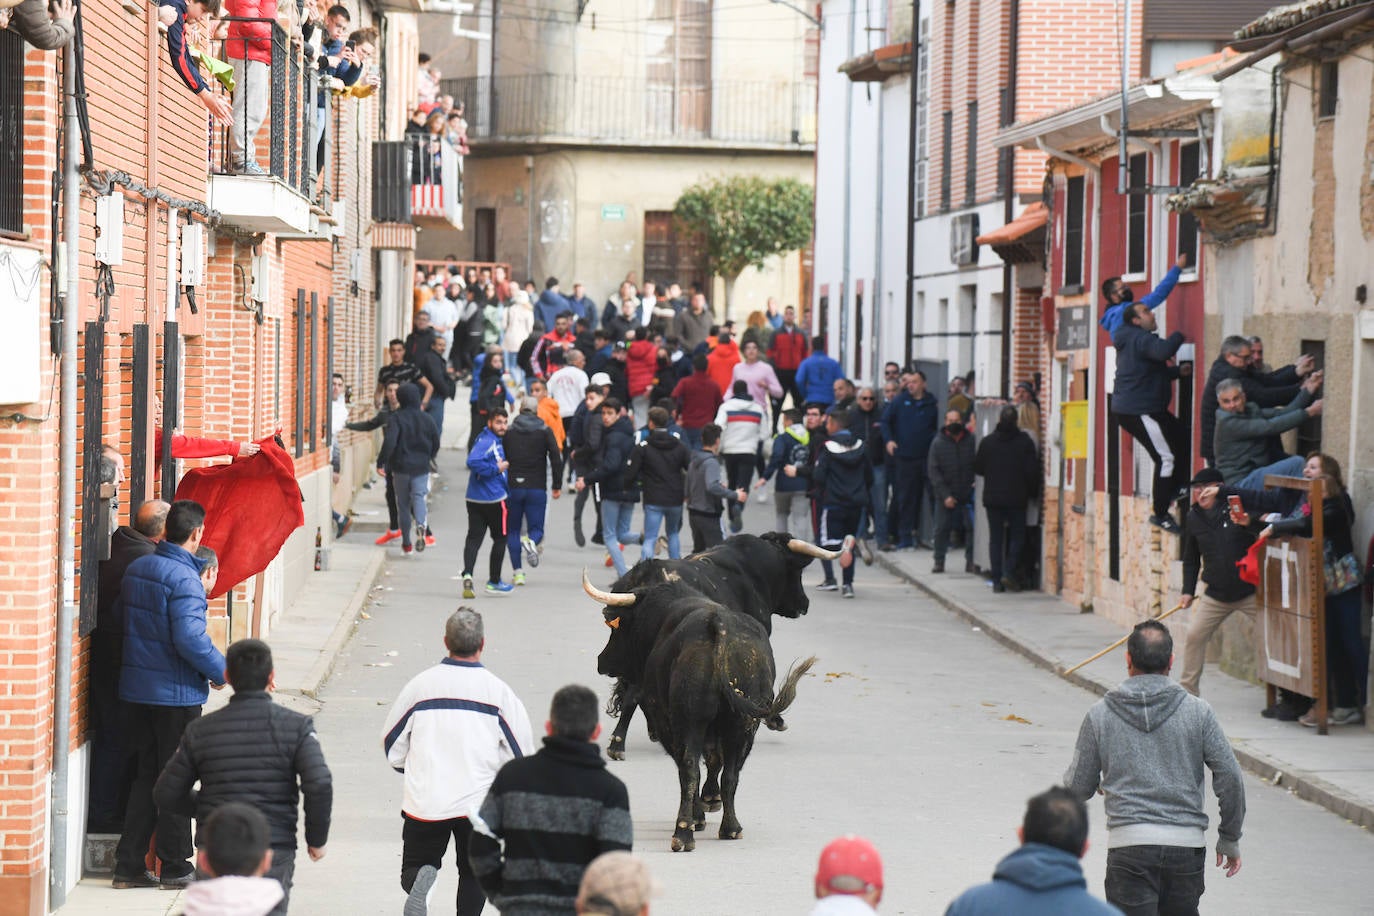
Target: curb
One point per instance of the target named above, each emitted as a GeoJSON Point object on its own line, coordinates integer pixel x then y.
{"type": "Point", "coordinates": [1304, 785]}
{"type": "Point", "coordinates": [343, 630]}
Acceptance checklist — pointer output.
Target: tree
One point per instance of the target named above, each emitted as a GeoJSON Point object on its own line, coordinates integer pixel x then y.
{"type": "Point", "coordinates": [744, 219]}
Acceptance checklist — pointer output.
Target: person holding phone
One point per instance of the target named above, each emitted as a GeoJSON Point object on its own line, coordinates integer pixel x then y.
{"type": "Point", "coordinates": [1216, 535]}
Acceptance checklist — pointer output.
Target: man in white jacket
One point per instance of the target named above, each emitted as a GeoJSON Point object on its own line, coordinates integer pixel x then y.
{"type": "Point", "coordinates": [453, 726]}
{"type": "Point", "coordinates": [744, 431]}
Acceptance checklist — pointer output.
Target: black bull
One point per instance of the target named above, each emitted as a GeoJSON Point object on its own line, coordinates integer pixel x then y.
{"type": "Point", "coordinates": [757, 576]}
{"type": "Point", "coordinates": [705, 671]}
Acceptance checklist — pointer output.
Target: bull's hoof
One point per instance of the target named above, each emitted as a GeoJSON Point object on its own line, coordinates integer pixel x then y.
{"type": "Point", "coordinates": [712, 802]}
{"type": "Point", "coordinates": [615, 748]}
{"type": "Point", "coordinates": [730, 833]}
{"type": "Point", "coordinates": [684, 841]}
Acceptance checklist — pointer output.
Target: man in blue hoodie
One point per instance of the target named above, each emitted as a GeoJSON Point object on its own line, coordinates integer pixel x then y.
{"type": "Point", "coordinates": [486, 499]}
{"type": "Point", "coordinates": [1140, 401]}
{"type": "Point", "coordinates": [551, 304]}
{"type": "Point", "coordinates": [1121, 297]}
{"type": "Point", "coordinates": [1043, 876]}
{"type": "Point", "coordinates": [817, 374]}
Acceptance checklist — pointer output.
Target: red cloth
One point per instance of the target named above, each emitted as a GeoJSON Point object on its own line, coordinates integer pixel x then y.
{"type": "Point", "coordinates": [1250, 568]}
{"type": "Point", "coordinates": [194, 447]}
{"type": "Point", "coordinates": [251, 507]}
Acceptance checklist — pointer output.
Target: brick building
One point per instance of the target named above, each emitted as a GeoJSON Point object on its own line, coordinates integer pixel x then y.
{"type": "Point", "coordinates": [231, 297]}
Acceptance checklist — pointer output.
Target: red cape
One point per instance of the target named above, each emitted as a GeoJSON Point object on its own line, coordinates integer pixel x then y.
{"type": "Point", "coordinates": [251, 507]}
{"type": "Point", "coordinates": [1249, 568]}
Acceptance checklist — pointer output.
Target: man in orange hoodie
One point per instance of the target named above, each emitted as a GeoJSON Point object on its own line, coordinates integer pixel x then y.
{"type": "Point", "coordinates": [721, 361]}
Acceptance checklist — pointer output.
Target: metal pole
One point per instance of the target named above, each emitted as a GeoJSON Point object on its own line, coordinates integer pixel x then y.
{"type": "Point", "coordinates": [913, 108]}
{"type": "Point", "coordinates": [1123, 155]}
{"type": "Point", "coordinates": [66, 514]}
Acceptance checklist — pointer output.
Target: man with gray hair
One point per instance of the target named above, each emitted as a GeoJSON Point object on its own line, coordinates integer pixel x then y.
{"type": "Point", "coordinates": [451, 729]}
{"type": "Point", "coordinates": [1264, 388]}
{"type": "Point", "coordinates": [1245, 433]}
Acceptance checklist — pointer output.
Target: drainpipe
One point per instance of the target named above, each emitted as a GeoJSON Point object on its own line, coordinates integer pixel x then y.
{"type": "Point", "coordinates": [1009, 203]}
{"type": "Point", "coordinates": [66, 512]}
{"type": "Point", "coordinates": [912, 108]}
{"type": "Point", "coordinates": [1090, 511]}
{"type": "Point", "coordinates": [846, 294]}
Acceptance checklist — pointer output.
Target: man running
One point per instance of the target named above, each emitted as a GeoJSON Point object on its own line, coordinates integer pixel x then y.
{"type": "Point", "coordinates": [486, 499]}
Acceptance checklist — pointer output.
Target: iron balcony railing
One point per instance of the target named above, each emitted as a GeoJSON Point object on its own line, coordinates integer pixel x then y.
{"type": "Point", "coordinates": [285, 97]}
{"type": "Point", "coordinates": [417, 180]}
{"type": "Point", "coordinates": [12, 51]}
{"type": "Point", "coordinates": [624, 109]}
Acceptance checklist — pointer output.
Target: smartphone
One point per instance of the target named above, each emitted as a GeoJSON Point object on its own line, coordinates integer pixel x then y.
{"type": "Point", "coordinates": [1237, 510]}
{"type": "Point", "coordinates": [349, 45]}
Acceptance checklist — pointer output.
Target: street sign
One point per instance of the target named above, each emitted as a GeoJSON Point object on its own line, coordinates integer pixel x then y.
{"type": "Point", "coordinates": [613, 213]}
{"type": "Point", "coordinates": [1073, 330]}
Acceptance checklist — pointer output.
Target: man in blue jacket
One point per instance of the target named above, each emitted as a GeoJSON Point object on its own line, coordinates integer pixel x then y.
{"type": "Point", "coordinates": [1043, 876]}
{"type": "Point", "coordinates": [1121, 297]}
{"type": "Point", "coordinates": [1140, 401]}
{"type": "Point", "coordinates": [169, 661]}
{"type": "Point", "coordinates": [486, 499]}
{"type": "Point", "coordinates": [817, 374]}
{"type": "Point", "coordinates": [910, 422]}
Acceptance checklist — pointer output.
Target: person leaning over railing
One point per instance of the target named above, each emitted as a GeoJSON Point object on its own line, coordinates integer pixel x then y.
{"type": "Point", "coordinates": [248, 38]}
{"type": "Point", "coordinates": [173, 16]}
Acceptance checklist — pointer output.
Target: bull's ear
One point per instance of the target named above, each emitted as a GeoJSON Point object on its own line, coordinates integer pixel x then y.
{"type": "Point", "coordinates": [614, 624]}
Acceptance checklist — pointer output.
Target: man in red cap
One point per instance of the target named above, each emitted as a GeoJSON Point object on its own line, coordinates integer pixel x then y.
{"type": "Point", "coordinates": [849, 878]}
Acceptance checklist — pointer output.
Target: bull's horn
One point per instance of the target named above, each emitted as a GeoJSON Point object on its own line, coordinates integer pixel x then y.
{"type": "Point", "coordinates": [608, 598]}
{"type": "Point", "coordinates": [811, 550]}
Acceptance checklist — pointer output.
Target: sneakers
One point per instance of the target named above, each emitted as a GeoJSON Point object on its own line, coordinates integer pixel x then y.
{"type": "Point", "coordinates": [417, 903]}
{"type": "Point", "coordinates": [531, 551]}
{"type": "Point", "coordinates": [499, 588]}
{"type": "Point", "coordinates": [421, 539]}
{"type": "Point", "coordinates": [179, 883]}
{"type": "Point", "coordinates": [609, 562]}
{"type": "Point", "coordinates": [518, 578]}
{"type": "Point", "coordinates": [248, 168]}
{"type": "Point", "coordinates": [467, 587]}
{"type": "Point", "coordinates": [388, 537]}
{"type": "Point", "coordinates": [736, 519]}
{"type": "Point", "coordinates": [1345, 715]}
{"type": "Point", "coordinates": [578, 537]}
{"type": "Point", "coordinates": [144, 880]}
{"type": "Point", "coordinates": [847, 552]}
{"type": "Point", "coordinates": [1165, 523]}
{"type": "Point", "coordinates": [1010, 584]}
{"type": "Point", "coordinates": [970, 567]}
{"type": "Point", "coordinates": [829, 585]}
{"type": "Point", "coordinates": [1309, 718]}
{"type": "Point", "coordinates": [887, 547]}
{"type": "Point", "coordinates": [846, 591]}
{"type": "Point", "coordinates": [998, 588]}
{"type": "Point", "coordinates": [407, 550]}
{"type": "Point", "coordinates": [866, 551]}
{"type": "Point", "coordinates": [596, 538]}
{"type": "Point", "coordinates": [762, 496]}
{"type": "Point", "coordinates": [1282, 711]}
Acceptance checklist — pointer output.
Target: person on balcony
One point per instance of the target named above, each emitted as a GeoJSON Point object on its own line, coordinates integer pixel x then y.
{"type": "Point", "coordinates": [48, 32]}
{"type": "Point", "coordinates": [173, 15]}
{"type": "Point", "coordinates": [248, 47]}
{"type": "Point", "coordinates": [333, 54]}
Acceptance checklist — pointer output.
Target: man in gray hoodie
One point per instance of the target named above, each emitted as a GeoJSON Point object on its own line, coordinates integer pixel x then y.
{"type": "Point", "coordinates": [1144, 745]}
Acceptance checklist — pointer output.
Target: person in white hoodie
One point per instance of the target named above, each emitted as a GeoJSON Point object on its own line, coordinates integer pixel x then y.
{"type": "Point", "coordinates": [519, 324]}
{"type": "Point", "coordinates": [235, 855]}
{"type": "Point", "coordinates": [744, 431]}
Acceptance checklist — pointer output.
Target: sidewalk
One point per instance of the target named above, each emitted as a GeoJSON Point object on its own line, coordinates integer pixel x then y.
{"type": "Point", "coordinates": [1335, 771]}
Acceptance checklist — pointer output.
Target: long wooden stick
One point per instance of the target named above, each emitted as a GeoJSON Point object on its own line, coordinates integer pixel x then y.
{"type": "Point", "coordinates": [1067, 671]}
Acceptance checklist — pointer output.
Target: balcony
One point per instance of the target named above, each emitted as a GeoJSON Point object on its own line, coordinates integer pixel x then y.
{"type": "Point", "coordinates": [418, 180]}
{"type": "Point", "coordinates": [277, 198]}
{"type": "Point", "coordinates": [579, 110]}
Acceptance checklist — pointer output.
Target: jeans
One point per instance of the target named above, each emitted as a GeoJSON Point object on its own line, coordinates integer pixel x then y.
{"type": "Point", "coordinates": [253, 82]}
{"type": "Point", "coordinates": [910, 489]}
{"type": "Point", "coordinates": [946, 520]}
{"type": "Point", "coordinates": [692, 437]}
{"type": "Point", "coordinates": [1206, 615]}
{"type": "Point", "coordinates": [435, 409]}
{"type": "Point", "coordinates": [792, 512]}
{"type": "Point", "coordinates": [425, 842]}
{"type": "Point", "coordinates": [529, 505]}
{"type": "Point", "coordinates": [874, 516]}
{"type": "Point", "coordinates": [615, 530]}
{"type": "Point", "coordinates": [1347, 652]}
{"type": "Point", "coordinates": [1288, 467]}
{"type": "Point", "coordinates": [154, 733]}
{"type": "Point", "coordinates": [411, 491]}
{"type": "Point", "coordinates": [671, 519]}
{"type": "Point", "coordinates": [1156, 880]}
{"type": "Point", "coordinates": [1006, 535]}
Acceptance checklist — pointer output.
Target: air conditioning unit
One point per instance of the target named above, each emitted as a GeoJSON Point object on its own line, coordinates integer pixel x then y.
{"type": "Point", "coordinates": [963, 229]}
{"type": "Point", "coordinates": [109, 229]}
{"type": "Point", "coordinates": [192, 255]}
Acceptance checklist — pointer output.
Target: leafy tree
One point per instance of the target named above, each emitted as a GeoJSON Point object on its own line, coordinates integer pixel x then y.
{"type": "Point", "coordinates": [744, 219]}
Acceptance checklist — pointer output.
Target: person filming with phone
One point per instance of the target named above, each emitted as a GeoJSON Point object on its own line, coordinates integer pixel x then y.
{"type": "Point", "coordinates": [1217, 535]}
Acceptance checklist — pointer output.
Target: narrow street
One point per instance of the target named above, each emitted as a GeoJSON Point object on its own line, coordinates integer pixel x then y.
{"type": "Point", "coordinates": [913, 730]}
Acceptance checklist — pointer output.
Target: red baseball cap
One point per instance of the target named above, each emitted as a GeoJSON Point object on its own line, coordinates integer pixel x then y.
{"type": "Point", "coordinates": [850, 865]}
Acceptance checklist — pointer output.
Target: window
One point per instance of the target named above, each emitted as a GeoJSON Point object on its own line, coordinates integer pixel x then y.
{"type": "Point", "coordinates": [1189, 171]}
{"type": "Point", "coordinates": [922, 115]}
{"type": "Point", "coordinates": [484, 234]}
{"type": "Point", "coordinates": [668, 255]}
{"type": "Point", "coordinates": [678, 69]}
{"type": "Point", "coordinates": [1328, 89]}
{"type": "Point", "coordinates": [945, 164]}
{"type": "Point", "coordinates": [1073, 231]}
{"type": "Point", "coordinates": [971, 155]}
{"type": "Point", "coordinates": [1137, 219]}
{"type": "Point", "coordinates": [12, 129]}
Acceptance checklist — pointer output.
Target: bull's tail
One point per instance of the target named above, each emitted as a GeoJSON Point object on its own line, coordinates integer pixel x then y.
{"type": "Point", "coordinates": [786, 694]}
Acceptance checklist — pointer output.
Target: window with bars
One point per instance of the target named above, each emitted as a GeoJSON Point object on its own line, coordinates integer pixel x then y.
{"type": "Point", "coordinates": [1073, 231]}
{"type": "Point", "coordinates": [1137, 216]}
{"type": "Point", "coordinates": [922, 116]}
{"type": "Point", "coordinates": [678, 68]}
{"type": "Point", "coordinates": [12, 130]}
{"type": "Point", "coordinates": [1189, 171]}
{"type": "Point", "coordinates": [947, 150]}
{"type": "Point", "coordinates": [971, 155]}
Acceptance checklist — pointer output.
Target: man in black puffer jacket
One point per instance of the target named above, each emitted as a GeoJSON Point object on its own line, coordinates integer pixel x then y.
{"type": "Point", "coordinates": [254, 751]}
{"type": "Point", "coordinates": [950, 469]}
{"type": "Point", "coordinates": [658, 466]}
{"type": "Point", "coordinates": [410, 444]}
{"type": "Point", "coordinates": [1010, 467]}
{"type": "Point", "coordinates": [532, 452]}
{"type": "Point", "coordinates": [617, 500]}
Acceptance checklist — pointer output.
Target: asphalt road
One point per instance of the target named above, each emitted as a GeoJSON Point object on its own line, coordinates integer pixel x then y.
{"type": "Point", "coordinates": [914, 730]}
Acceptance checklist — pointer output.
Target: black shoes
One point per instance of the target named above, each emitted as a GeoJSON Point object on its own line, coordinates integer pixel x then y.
{"type": "Point", "coordinates": [939, 567]}
{"type": "Point", "coordinates": [121, 882]}
{"type": "Point", "coordinates": [1165, 523]}
{"type": "Point", "coordinates": [578, 536]}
